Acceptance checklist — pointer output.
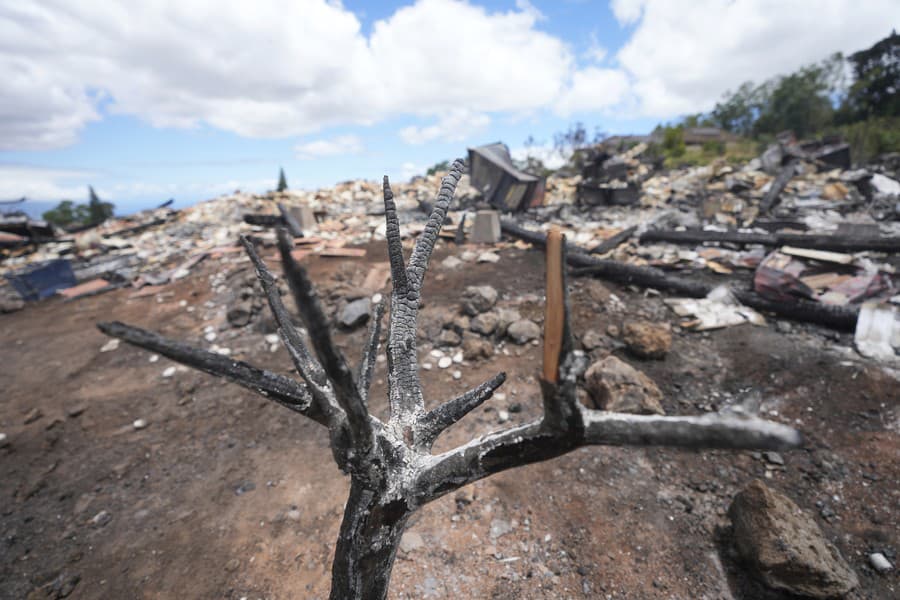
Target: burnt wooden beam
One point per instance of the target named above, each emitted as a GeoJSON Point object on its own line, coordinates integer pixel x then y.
{"type": "Point", "coordinates": [833, 243]}
{"type": "Point", "coordinates": [778, 184]}
{"type": "Point", "coordinates": [613, 242]}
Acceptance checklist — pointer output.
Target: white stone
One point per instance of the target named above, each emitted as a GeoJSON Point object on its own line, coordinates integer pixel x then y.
{"type": "Point", "coordinates": [488, 257]}
{"type": "Point", "coordinates": [444, 362]}
{"type": "Point", "coordinates": [111, 345]}
{"type": "Point", "coordinates": [457, 375]}
{"type": "Point", "coordinates": [139, 423]}
{"type": "Point", "coordinates": [168, 372]}
{"type": "Point", "coordinates": [880, 562]}
{"type": "Point", "coordinates": [154, 358]}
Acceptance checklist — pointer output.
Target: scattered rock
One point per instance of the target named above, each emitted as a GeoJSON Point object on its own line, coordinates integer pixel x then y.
{"type": "Point", "coordinates": [76, 411]}
{"type": "Point", "coordinates": [485, 323]}
{"type": "Point", "coordinates": [457, 375]}
{"type": "Point", "coordinates": [168, 372]}
{"type": "Point", "coordinates": [591, 339]}
{"type": "Point", "coordinates": [411, 541]}
{"type": "Point", "coordinates": [523, 331]}
{"type": "Point", "coordinates": [139, 424]}
{"type": "Point", "coordinates": [458, 323]}
{"type": "Point", "coordinates": [477, 299]}
{"type": "Point", "coordinates": [232, 565]}
{"type": "Point", "coordinates": [4, 441]}
{"type": "Point", "coordinates": [507, 316]}
{"type": "Point", "coordinates": [101, 518]}
{"type": "Point", "coordinates": [33, 415]}
{"type": "Point", "coordinates": [502, 416]}
{"type": "Point", "coordinates": [613, 331]}
{"type": "Point", "coordinates": [355, 313]}
{"type": "Point", "coordinates": [596, 291]}
{"type": "Point", "coordinates": [499, 528]}
{"type": "Point", "coordinates": [617, 386]}
{"type": "Point", "coordinates": [774, 458]}
{"type": "Point", "coordinates": [488, 257]}
{"type": "Point", "coordinates": [475, 348]}
{"type": "Point", "coordinates": [451, 262]}
{"type": "Point", "coordinates": [110, 345]}
{"type": "Point", "coordinates": [444, 362]}
{"type": "Point", "coordinates": [448, 337]}
{"type": "Point", "coordinates": [243, 487]}
{"type": "Point", "coordinates": [880, 562]}
{"type": "Point", "coordinates": [786, 546]}
{"type": "Point", "coordinates": [647, 340]}
{"type": "Point", "coordinates": [240, 313]}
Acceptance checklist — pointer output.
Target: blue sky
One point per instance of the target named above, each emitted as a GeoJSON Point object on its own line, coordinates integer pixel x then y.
{"type": "Point", "coordinates": [194, 98]}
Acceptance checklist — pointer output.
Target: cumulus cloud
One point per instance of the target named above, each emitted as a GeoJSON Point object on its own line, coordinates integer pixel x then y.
{"type": "Point", "coordinates": [38, 183]}
{"type": "Point", "coordinates": [455, 125]}
{"type": "Point", "coordinates": [682, 56]}
{"type": "Point", "coordinates": [336, 146]}
{"type": "Point", "coordinates": [280, 68]}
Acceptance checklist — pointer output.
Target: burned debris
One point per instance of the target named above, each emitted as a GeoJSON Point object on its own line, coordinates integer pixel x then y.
{"type": "Point", "coordinates": [393, 471]}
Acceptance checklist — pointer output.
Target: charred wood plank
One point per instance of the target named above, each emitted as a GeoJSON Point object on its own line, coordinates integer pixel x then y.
{"type": "Point", "coordinates": [833, 243]}
{"type": "Point", "coordinates": [613, 242]}
{"type": "Point", "coordinates": [264, 220]}
{"type": "Point", "coordinates": [778, 184]}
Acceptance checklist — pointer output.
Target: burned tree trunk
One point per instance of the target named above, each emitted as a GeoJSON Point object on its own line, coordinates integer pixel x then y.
{"type": "Point", "coordinates": [392, 469]}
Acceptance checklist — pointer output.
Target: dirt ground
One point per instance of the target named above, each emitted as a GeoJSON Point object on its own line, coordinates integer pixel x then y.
{"type": "Point", "coordinates": [226, 495]}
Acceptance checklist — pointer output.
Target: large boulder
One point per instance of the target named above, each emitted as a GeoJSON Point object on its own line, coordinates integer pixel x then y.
{"type": "Point", "coordinates": [477, 299]}
{"type": "Point", "coordinates": [785, 545]}
{"type": "Point", "coordinates": [647, 340]}
{"type": "Point", "coordinates": [485, 323]}
{"type": "Point", "coordinates": [523, 331]}
{"type": "Point", "coordinates": [616, 386]}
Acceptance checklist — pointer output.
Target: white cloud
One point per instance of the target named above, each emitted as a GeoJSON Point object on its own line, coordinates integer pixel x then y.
{"type": "Point", "coordinates": [455, 125]}
{"type": "Point", "coordinates": [336, 146]}
{"type": "Point", "coordinates": [548, 155]}
{"type": "Point", "coordinates": [281, 68]}
{"type": "Point", "coordinates": [683, 56]}
{"type": "Point", "coordinates": [37, 183]}
{"type": "Point", "coordinates": [593, 89]}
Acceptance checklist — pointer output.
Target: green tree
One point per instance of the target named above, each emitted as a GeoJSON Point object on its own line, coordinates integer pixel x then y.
{"type": "Point", "coordinates": [673, 141]}
{"type": "Point", "coordinates": [98, 211]}
{"type": "Point", "coordinates": [875, 91]}
{"type": "Point", "coordinates": [737, 111]}
{"type": "Point", "coordinates": [62, 215]}
{"type": "Point", "coordinates": [439, 167]}
{"type": "Point", "coordinates": [282, 181]}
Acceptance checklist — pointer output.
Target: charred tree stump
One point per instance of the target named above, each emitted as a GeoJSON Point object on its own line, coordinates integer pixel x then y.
{"type": "Point", "coordinates": [392, 469]}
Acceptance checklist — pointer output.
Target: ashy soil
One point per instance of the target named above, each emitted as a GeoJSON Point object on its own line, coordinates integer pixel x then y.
{"type": "Point", "coordinates": [226, 495]}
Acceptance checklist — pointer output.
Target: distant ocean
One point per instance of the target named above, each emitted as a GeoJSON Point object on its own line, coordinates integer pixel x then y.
{"type": "Point", "coordinates": [36, 208]}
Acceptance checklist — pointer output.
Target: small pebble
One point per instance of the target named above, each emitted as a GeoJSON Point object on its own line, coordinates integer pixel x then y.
{"type": "Point", "coordinates": [210, 337]}
{"type": "Point", "coordinates": [880, 562]}
{"type": "Point", "coordinates": [169, 372]}
{"type": "Point", "coordinates": [109, 346]}
{"type": "Point", "coordinates": [139, 423]}
{"type": "Point", "coordinates": [457, 374]}
{"type": "Point", "coordinates": [4, 441]}
{"type": "Point", "coordinates": [458, 357]}
{"type": "Point", "coordinates": [376, 298]}
{"type": "Point", "coordinates": [427, 366]}
{"type": "Point", "coordinates": [272, 338]}
{"type": "Point", "coordinates": [444, 362]}
{"type": "Point", "coordinates": [154, 358]}
{"type": "Point", "coordinates": [502, 416]}
{"type": "Point", "coordinates": [436, 353]}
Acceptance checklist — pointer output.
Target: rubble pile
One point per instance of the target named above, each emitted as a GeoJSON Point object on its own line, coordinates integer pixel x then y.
{"type": "Point", "coordinates": [795, 227]}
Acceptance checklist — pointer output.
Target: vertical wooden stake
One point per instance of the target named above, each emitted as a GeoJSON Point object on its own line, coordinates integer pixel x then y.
{"type": "Point", "coordinates": [554, 310]}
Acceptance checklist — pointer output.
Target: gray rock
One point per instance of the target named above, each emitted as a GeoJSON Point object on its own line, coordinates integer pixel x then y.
{"type": "Point", "coordinates": [499, 528]}
{"type": "Point", "coordinates": [476, 348]}
{"type": "Point", "coordinates": [477, 299]}
{"type": "Point", "coordinates": [355, 313]}
{"type": "Point", "coordinates": [507, 316]}
{"type": "Point", "coordinates": [240, 313]}
{"type": "Point", "coordinates": [880, 562]}
{"type": "Point", "coordinates": [448, 337]}
{"type": "Point", "coordinates": [411, 541]}
{"type": "Point", "coordinates": [485, 323]}
{"type": "Point", "coordinates": [592, 339]}
{"type": "Point", "coordinates": [101, 518]}
{"type": "Point", "coordinates": [786, 546]}
{"type": "Point", "coordinates": [523, 331]}
{"type": "Point", "coordinates": [615, 385]}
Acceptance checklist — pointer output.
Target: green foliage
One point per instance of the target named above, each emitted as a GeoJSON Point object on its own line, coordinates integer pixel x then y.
{"type": "Point", "coordinates": [673, 141]}
{"type": "Point", "coordinates": [440, 167]}
{"type": "Point", "coordinates": [869, 138]}
{"type": "Point", "coordinates": [282, 181]}
{"type": "Point", "coordinates": [68, 213]}
{"type": "Point", "coordinates": [876, 87]}
{"type": "Point", "coordinates": [98, 211]}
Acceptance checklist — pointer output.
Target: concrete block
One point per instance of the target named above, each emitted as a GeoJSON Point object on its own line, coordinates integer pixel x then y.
{"type": "Point", "coordinates": [304, 216]}
{"type": "Point", "coordinates": [486, 229]}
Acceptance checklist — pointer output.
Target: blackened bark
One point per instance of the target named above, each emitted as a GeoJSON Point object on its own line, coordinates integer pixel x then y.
{"type": "Point", "coordinates": [367, 545]}
{"type": "Point", "coordinates": [833, 243]}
